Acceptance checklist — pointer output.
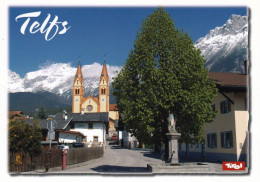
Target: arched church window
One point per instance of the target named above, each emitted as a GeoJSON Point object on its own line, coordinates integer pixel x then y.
{"type": "Point", "coordinates": [78, 91]}
{"type": "Point", "coordinates": [103, 81]}
{"type": "Point", "coordinates": [104, 91]}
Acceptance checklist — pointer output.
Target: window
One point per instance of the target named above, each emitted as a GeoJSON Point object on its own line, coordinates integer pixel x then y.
{"type": "Point", "coordinates": [90, 126]}
{"type": "Point", "coordinates": [226, 139]}
{"type": "Point", "coordinates": [89, 107]}
{"type": "Point", "coordinates": [76, 91]}
{"type": "Point", "coordinates": [225, 107]}
{"type": "Point", "coordinates": [72, 126]}
{"type": "Point", "coordinates": [95, 139]}
{"type": "Point", "coordinates": [212, 140]}
{"type": "Point", "coordinates": [103, 91]}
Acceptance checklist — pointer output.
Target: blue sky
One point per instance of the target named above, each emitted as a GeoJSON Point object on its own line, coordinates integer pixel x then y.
{"type": "Point", "coordinates": [96, 32]}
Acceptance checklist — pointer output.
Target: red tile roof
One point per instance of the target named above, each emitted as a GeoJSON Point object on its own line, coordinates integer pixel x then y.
{"type": "Point", "coordinates": [112, 107]}
{"type": "Point", "coordinates": [72, 132]}
{"type": "Point", "coordinates": [229, 79]}
{"type": "Point", "coordinates": [15, 113]}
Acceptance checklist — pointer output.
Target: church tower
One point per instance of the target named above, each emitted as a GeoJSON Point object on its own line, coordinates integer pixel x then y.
{"type": "Point", "coordinates": [104, 89]}
{"type": "Point", "coordinates": [78, 91]}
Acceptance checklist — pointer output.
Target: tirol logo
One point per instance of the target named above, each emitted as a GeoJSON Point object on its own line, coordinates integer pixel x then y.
{"type": "Point", "coordinates": [233, 165]}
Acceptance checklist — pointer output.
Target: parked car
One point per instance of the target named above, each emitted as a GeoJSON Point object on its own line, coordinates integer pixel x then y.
{"type": "Point", "coordinates": [77, 145]}
{"type": "Point", "coordinates": [114, 137]}
{"type": "Point", "coordinates": [62, 147]}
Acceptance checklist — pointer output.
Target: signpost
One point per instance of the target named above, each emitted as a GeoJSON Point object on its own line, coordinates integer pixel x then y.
{"type": "Point", "coordinates": [51, 130]}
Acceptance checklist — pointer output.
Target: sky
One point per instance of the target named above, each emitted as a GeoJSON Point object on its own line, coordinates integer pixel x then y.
{"type": "Point", "coordinates": [96, 33]}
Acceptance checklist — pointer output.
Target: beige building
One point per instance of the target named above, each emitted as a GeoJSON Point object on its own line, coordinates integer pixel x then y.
{"type": "Point", "coordinates": [89, 104]}
{"type": "Point", "coordinates": [226, 138]}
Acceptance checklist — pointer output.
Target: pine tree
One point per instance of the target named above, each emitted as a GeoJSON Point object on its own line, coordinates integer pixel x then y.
{"type": "Point", "coordinates": [41, 113]}
{"type": "Point", "coordinates": [164, 74]}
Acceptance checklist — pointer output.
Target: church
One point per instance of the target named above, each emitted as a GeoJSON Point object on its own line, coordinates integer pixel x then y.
{"type": "Point", "coordinates": [89, 104]}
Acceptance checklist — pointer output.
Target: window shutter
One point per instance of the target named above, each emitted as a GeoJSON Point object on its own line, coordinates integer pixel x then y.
{"type": "Point", "coordinates": [231, 139]}
{"type": "Point", "coordinates": [222, 139]}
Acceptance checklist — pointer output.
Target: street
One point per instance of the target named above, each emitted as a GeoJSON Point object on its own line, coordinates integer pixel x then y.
{"type": "Point", "coordinates": [117, 160]}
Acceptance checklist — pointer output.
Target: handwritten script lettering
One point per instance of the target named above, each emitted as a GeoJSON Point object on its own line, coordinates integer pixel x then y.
{"type": "Point", "coordinates": [47, 27]}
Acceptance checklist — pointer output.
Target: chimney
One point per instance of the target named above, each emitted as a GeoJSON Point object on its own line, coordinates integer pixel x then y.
{"type": "Point", "coordinates": [64, 115]}
{"type": "Point", "coordinates": [245, 67]}
{"type": "Point", "coordinates": [82, 111]}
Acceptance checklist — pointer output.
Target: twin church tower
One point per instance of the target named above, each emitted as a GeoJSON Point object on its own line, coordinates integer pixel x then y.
{"type": "Point", "coordinates": [81, 104]}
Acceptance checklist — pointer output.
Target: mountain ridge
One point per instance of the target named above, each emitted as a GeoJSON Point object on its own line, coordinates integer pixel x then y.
{"type": "Point", "coordinates": [224, 49]}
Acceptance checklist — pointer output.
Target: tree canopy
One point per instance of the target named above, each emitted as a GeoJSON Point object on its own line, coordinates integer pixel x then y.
{"type": "Point", "coordinates": [24, 137]}
{"type": "Point", "coordinates": [164, 73]}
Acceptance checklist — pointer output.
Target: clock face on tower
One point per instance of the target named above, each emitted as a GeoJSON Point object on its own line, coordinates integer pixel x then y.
{"type": "Point", "coordinates": [89, 107]}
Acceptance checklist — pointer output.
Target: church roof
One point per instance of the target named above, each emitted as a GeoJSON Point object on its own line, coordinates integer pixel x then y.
{"type": "Point", "coordinates": [89, 96]}
{"type": "Point", "coordinates": [113, 107]}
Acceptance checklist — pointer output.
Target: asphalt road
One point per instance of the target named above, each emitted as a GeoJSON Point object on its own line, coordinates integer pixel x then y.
{"type": "Point", "coordinates": [117, 160]}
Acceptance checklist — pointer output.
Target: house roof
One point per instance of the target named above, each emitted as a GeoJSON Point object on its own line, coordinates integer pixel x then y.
{"type": "Point", "coordinates": [93, 117]}
{"type": "Point", "coordinates": [71, 132]}
{"type": "Point", "coordinates": [113, 107]}
{"type": "Point", "coordinates": [229, 79]}
{"type": "Point", "coordinates": [15, 113]}
{"type": "Point", "coordinates": [60, 124]}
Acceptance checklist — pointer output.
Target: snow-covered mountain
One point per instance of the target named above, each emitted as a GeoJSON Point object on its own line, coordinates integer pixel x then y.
{"type": "Point", "coordinates": [58, 78]}
{"type": "Point", "coordinates": [226, 47]}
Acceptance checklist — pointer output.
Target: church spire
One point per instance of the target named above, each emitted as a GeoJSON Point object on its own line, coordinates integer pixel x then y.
{"type": "Point", "coordinates": [104, 69]}
{"type": "Point", "coordinates": [79, 74]}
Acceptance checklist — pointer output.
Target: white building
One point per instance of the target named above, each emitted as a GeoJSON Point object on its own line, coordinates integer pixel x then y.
{"type": "Point", "coordinates": [87, 128]}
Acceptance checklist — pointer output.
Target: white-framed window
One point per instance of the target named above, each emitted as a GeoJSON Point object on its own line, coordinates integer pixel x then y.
{"type": "Point", "coordinates": [226, 139]}
{"type": "Point", "coordinates": [95, 138]}
{"type": "Point", "coordinates": [225, 107]}
{"type": "Point", "coordinates": [212, 140]}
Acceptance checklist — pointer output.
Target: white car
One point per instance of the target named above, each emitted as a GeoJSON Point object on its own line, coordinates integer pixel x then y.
{"type": "Point", "coordinates": [63, 147]}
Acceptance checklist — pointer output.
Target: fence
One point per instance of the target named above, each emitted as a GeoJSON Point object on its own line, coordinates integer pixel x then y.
{"type": "Point", "coordinates": [48, 159]}
{"type": "Point", "coordinates": [77, 155]}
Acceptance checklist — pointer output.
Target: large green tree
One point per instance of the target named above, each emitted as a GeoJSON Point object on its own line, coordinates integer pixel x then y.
{"type": "Point", "coordinates": [164, 74]}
